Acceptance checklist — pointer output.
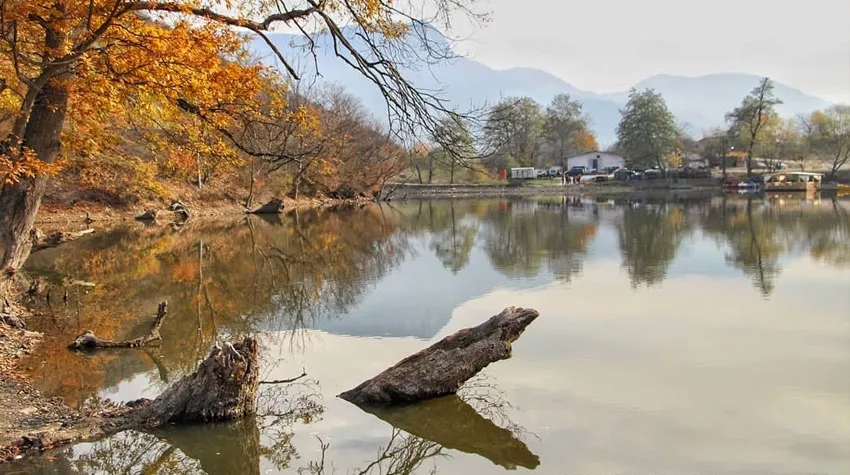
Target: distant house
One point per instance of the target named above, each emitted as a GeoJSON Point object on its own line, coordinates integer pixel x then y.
{"type": "Point", "coordinates": [597, 160]}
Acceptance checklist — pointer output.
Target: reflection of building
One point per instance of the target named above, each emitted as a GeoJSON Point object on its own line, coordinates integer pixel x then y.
{"type": "Point", "coordinates": [597, 160]}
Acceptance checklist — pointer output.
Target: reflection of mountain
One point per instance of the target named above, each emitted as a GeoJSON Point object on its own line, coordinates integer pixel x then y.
{"type": "Point", "coordinates": [417, 299]}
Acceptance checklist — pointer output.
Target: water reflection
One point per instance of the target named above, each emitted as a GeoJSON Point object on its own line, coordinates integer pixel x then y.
{"type": "Point", "coordinates": [454, 424]}
{"type": "Point", "coordinates": [392, 272]}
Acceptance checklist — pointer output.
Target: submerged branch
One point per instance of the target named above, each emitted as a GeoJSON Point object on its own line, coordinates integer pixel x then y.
{"type": "Point", "coordinates": [88, 339]}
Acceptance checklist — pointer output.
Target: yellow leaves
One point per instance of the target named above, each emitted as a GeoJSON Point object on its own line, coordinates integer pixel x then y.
{"type": "Point", "coordinates": [25, 165]}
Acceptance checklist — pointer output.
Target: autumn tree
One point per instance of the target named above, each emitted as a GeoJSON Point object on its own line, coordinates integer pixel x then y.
{"type": "Point", "coordinates": [647, 133]}
{"type": "Point", "coordinates": [514, 130]}
{"type": "Point", "coordinates": [64, 59]}
{"type": "Point", "coordinates": [566, 129]}
{"type": "Point", "coordinates": [751, 118]}
{"type": "Point", "coordinates": [831, 137]}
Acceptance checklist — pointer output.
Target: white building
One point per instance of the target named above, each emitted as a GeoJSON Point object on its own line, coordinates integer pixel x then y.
{"type": "Point", "coordinates": [597, 160]}
{"type": "Point", "coordinates": [523, 173]}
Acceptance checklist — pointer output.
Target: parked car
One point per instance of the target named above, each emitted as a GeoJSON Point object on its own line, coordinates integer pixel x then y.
{"type": "Point", "coordinates": [577, 171]}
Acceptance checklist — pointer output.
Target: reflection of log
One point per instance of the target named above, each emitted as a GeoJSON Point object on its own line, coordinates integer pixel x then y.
{"type": "Point", "coordinates": [88, 339]}
{"type": "Point", "coordinates": [148, 215]}
{"type": "Point", "coordinates": [442, 368]}
{"type": "Point", "coordinates": [274, 206]}
{"type": "Point", "coordinates": [57, 238]}
{"type": "Point", "coordinates": [454, 424]}
{"type": "Point", "coordinates": [227, 449]}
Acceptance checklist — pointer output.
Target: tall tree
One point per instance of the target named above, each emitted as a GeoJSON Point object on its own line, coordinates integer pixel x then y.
{"type": "Point", "coordinates": [647, 133]}
{"type": "Point", "coordinates": [565, 129]}
{"type": "Point", "coordinates": [514, 128]}
{"type": "Point", "coordinates": [171, 57]}
{"type": "Point", "coordinates": [453, 132]}
{"type": "Point", "coordinates": [831, 136]}
{"type": "Point", "coordinates": [752, 117]}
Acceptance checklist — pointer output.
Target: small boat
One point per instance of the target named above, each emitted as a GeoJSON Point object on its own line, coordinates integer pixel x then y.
{"type": "Point", "coordinates": [793, 181]}
{"type": "Point", "coordinates": [739, 185]}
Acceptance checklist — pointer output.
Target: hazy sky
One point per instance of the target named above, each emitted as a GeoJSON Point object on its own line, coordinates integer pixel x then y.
{"type": "Point", "coordinates": [608, 45]}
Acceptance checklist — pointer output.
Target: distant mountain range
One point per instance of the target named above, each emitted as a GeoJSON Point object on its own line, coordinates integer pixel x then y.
{"type": "Point", "coordinates": [699, 102]}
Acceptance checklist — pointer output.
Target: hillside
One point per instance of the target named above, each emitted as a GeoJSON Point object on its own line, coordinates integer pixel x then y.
{"type": "Point", "coordinates": [699, 102]}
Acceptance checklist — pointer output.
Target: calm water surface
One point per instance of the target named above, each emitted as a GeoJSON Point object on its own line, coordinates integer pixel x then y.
{"type": "Point", "coordinates": [691, 336]}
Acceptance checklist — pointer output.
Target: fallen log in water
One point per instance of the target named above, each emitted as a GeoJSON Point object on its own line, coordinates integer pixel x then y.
{"type": "Point", "coordinates": [88, 339]}
{"type": "Point", "coordinates": [224, 387]}
{"type": "Point", "coordinates": [442, 368]}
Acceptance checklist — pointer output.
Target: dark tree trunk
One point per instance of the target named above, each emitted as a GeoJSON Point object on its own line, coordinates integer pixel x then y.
{"type": "Point", "coordinates": [19, 202]}
{"type": "Point", "coordinates": [442, 368]}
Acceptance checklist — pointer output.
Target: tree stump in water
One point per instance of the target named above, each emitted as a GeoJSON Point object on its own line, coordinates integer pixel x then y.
{"type": "Point", "coordinates": [223, 388]}
{"type": "Point", "coordinates": [274, 206]}
{"type": "Point", "coordinates": [442, 368]}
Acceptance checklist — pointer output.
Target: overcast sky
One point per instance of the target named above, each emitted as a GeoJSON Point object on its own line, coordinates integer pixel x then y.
{"type": "Point", "coordinates": [609, 45]}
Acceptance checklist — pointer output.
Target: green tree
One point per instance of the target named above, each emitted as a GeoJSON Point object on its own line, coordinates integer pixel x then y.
{"type": "Point", "coordinates": [647, 132]}
{"type": "Point", "coordinates": [565, 129]}
{"type": "Point", "coordinates": [458, 145]}
{"type": "Point", "coordinates": [831, 136]}
{"type": "Point", "coordinates": [753, 116]}
{"type": "Point", "coordinates": [514, 128]}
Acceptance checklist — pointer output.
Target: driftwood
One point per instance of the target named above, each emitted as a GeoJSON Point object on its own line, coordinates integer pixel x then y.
{"type": "Point", "coordinates": [180, 209]}
{"type": "Point", "coordinates": [54, 239]}
{"type": "Point", "coordinates": [274, 206]}
{"type": "Point", "coordinates": [223, 388]}
{"type": "Point", "coordinates": [88, 339]}
{"type": "Point", "coordinates": [442, 368]}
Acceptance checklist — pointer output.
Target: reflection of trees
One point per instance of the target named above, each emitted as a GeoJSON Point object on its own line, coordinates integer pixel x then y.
{"type": "Point", "coordinates": [758, 233]}
{"type": "Point", "coordinates": [522, 236]}
{"type": "Point", "coordinates": [649, 238]}
{"type": "Point", "coordinates": [219, 278]}
{"type": "Point", "coordinates": [452, 241]}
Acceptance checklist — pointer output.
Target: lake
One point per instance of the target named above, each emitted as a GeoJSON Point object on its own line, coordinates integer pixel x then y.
{"type": "Point", "coordinates": [679, 336]}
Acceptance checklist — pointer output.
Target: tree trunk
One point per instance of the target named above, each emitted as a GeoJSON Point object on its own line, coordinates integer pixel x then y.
{"type": "Point", "coordinates": [224, 387]}
{"type": "Point", "coordinates": [750, 160]}
{"type": "Point", "coordinates": [442, 368]}
{"type": "Point", "coordinates": [19, 202]}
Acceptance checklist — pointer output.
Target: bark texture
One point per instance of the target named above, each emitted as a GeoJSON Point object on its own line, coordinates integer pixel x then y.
{"type": "Point", "coordinates": [223, 388]}
{"type": "Point", "coordinates": [442, 368]}
{"type": "Point", "coordinates": [38, 129]}
{"type": "Point", "coordinates": [88, 339]}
